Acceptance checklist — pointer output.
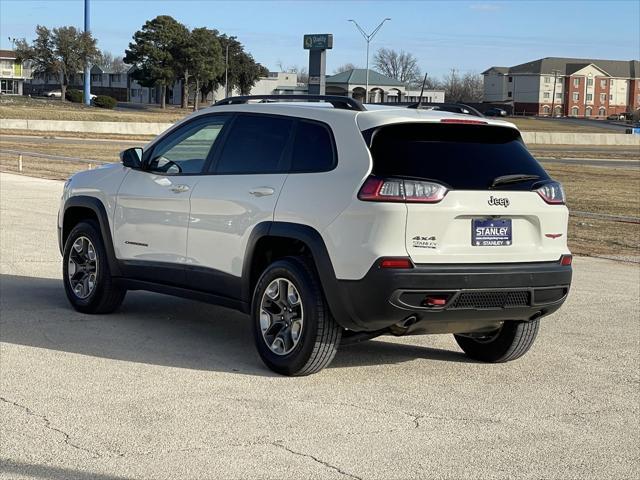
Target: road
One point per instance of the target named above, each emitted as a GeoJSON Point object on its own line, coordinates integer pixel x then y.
{"type": "Point", "coordinates": [168, 388]}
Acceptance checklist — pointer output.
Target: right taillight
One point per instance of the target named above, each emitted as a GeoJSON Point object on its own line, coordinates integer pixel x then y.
{"type": "Point", "coordinates": [552, 193]}
{"type": "Point", "coordinates": [376, 189]}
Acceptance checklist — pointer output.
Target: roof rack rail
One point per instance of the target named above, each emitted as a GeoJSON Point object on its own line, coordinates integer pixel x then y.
{"type": "Point", "coordinates": [448, 107]}
{"type": "Point", "coordinates": [337, 101]}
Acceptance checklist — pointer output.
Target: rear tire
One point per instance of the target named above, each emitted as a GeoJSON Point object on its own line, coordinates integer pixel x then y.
{"type": "Point", "coordinates": [511, 342]}
{"type": "Point", "coordinates": [294, 331]}
{"type": "Point", "coordinates": [86, 275]}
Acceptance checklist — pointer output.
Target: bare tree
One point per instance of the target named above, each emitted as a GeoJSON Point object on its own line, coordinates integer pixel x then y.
{"type": "Point", "coordinates": [110, 63]}
{"type": "Point", "coordinates": [402, 66]}
{"type": "Point", "coordinates": [465, 88]}
{"type": "Point", "coordinates": [345, 68]}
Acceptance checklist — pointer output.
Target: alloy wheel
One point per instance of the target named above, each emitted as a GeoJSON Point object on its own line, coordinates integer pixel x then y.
{"type": "Point", "coordinates": [82, 268]}
{"type": "Point", "coordinates": [281, 316]}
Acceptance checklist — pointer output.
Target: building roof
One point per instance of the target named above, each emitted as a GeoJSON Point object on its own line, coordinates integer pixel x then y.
{"type": "Point", "coordinates": [7, 54]}
{"type": "Point", "coordinates": [567, 66]}
{"type": "Point", "coordinates": [358, 76]}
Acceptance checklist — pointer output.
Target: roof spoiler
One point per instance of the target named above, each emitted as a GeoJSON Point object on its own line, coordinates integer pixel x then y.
{"type": "Point", "coordinates": [447, 107]}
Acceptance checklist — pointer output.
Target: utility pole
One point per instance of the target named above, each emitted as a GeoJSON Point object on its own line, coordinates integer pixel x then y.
{"type": "Point", "coordinates": [368, 37]}
{"type": "Point", "coordinates": [553, 96]}
{"type": "Point", "coordinates": [226, 72]}
{"type": "Point", "coordinates": [87, 71]}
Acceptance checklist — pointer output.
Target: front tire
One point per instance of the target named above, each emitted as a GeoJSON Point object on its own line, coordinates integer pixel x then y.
{"type": "Point", "coordinates": [86, 275]}
{"type": "Point", "coordinates": [510, 342]}
{"type": "Point", "coordinates": [294, 331]}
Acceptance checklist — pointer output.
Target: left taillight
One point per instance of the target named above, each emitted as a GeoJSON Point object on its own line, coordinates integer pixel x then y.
{"type": "Point", "coordinates": [552, 193]}
{"type": "Point", "coordinates": [376, 189]}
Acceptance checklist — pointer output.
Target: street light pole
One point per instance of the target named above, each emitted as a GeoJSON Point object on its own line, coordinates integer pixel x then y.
{"type": "Point", "coordinates": [368, 37]}
{"type": "Point", "coordinates": [226, 72]}
{"type": "Point", "coordinates": [87, 71]}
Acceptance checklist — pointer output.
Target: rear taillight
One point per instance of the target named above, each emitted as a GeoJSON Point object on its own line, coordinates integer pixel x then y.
{"type": "Point", "coordinates": [552, 193]}
{"type": "Point", "coordinates": [377, 189]}
{"type": "Point", "coordinates": [566, 260]}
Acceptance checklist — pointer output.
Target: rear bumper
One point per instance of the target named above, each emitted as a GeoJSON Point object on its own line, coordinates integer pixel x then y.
{"type": "Point", "coordinates": [476, 296]}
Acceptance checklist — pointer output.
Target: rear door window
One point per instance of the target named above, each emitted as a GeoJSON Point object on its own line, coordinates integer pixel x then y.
{"type": "Point", "coordinates": [461, 156]}
{"type": "Point", "coordinates": [255, 144]}
{"type": "Point", "coordinates": [313, 148]}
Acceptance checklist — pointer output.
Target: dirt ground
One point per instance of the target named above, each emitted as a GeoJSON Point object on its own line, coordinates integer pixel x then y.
{"type": "Point", "coordinates": [19, 107]}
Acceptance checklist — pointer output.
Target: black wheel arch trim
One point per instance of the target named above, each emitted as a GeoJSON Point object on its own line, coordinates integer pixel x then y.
{"type": "Point", "coordinates": [321, 260]}
{"type": "Point", "coordinates": [97, 207]}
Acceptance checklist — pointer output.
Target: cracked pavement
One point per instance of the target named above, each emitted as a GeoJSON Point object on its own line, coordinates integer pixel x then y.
{"type": "Point", "coordinates": [167, 388]}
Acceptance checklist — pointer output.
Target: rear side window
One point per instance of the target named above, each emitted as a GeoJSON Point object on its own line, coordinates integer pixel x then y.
{"type": "Point", "coordinates": [460, 156]}
{"type": "Point", "coordinates": [256, 144]}
{"type": "Point", "coordinates": [313, 149]}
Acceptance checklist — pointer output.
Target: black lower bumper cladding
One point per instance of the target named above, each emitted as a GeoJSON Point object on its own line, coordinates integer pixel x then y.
{"type": "Point", "coordinates": [454, 293]}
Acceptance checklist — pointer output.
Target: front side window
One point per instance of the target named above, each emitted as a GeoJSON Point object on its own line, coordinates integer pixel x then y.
{"type": "Point", "coordinates": [255, 144]}
{"type": "Point", "coordinates": [186, 150]}
{"type": "Point", "coordinates": [312, 148]}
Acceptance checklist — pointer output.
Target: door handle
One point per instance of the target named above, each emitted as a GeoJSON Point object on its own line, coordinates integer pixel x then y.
{"type": "Point", "coordinates": [262, 191]}
{"type": "Point", "coordinates": [180, 188]}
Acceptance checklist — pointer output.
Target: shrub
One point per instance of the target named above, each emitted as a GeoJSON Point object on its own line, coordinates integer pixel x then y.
{"type": "Point", "coordinates": [73, 95]}
{"type": "Point", "coordinates": [105, 101]}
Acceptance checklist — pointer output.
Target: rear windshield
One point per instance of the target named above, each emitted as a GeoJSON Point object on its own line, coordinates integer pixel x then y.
{"type": "Point", "coordinates": [461, 156]}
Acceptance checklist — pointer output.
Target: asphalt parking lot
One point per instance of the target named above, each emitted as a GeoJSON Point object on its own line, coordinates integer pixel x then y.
{"type": "Point", "coordinates": [168, 388]}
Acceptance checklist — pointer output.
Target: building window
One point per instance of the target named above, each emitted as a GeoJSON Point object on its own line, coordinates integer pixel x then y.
{"type": "Point", "coordinates": [509, 94]}
{"type": "Point", "coordinates": [603, 83]}
{"type": "Point", "coordinates": [546, 110]}
{"type": "Point", "coordinates": [576, 96]}
{"type": "Point", "coordinates": [611, 98]}
{"type": "Point", "coordinates": [546, 95]}
{"type": "Point", "coordinates": [115, 77]}
{"type": "Point", "coordinates": [589, 97]}
{"type": "Point", "coordinates": [510, 79]}
{"type": "Point", "coordinates": [603, 97]}
{"type": "Point", "coordinates": [547, 79]}
{"type": "Point", "coordinates": [574, 111]}
{"type": "Point", "coordinates": [576, 82]}
{"type": "Point", "coordinates": [96, 77]}
{"type": "Point", "coordinates": [558, 96]}
{"type": "Point", "coordinates": [588, 112]}
{"type": "Point", "coordinates": [589, 82]}
{"type": "Point", "coordinates": [135, 92]}
{"type": "Point", "coordinates": [602, 112]}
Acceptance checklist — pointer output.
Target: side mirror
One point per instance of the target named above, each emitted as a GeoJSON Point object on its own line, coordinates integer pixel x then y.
{"type": "Point", "coordinates": [131, 157]}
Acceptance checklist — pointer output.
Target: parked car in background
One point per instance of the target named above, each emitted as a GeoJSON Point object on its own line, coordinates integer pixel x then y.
{"type": "Point", "coordinates": [449, 107]}
{"type": "Point", "coordinates": [58, 94]}
{"type": "Point", "coordinates": [617, 116]}
{"type": "Point", "coordinates": [495, 112]}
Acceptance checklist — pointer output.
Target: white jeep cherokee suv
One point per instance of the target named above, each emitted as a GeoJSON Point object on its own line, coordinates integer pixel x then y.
{"type": "Point", "coordinates": [328, 222]}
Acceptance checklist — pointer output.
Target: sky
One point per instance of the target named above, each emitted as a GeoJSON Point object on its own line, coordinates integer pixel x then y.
{"type": "Point", "coordinates": [465, 35]}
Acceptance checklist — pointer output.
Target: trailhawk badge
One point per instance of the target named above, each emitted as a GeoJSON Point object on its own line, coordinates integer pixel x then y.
{"type": "Point", "coordinates": [424, 242]}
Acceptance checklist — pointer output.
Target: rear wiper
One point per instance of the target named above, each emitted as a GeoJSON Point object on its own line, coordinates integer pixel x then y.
{"type": "Point", "coordinates": [516, 178]}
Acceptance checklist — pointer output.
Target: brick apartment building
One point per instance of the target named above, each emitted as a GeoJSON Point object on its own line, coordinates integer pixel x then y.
{"type": "Point", "coordinates": [567, 86]}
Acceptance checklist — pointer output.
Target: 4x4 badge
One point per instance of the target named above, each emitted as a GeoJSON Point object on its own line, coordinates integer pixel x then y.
{"type": "Point", "coordinates": [498, 201]}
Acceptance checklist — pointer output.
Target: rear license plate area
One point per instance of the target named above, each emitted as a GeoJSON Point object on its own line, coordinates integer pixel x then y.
{"type": "Point", "coordinates": [491, 233]}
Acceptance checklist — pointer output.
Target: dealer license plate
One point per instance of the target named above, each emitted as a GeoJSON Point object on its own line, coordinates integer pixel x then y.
{"type": "Point", "coordinates": [491, 233]}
